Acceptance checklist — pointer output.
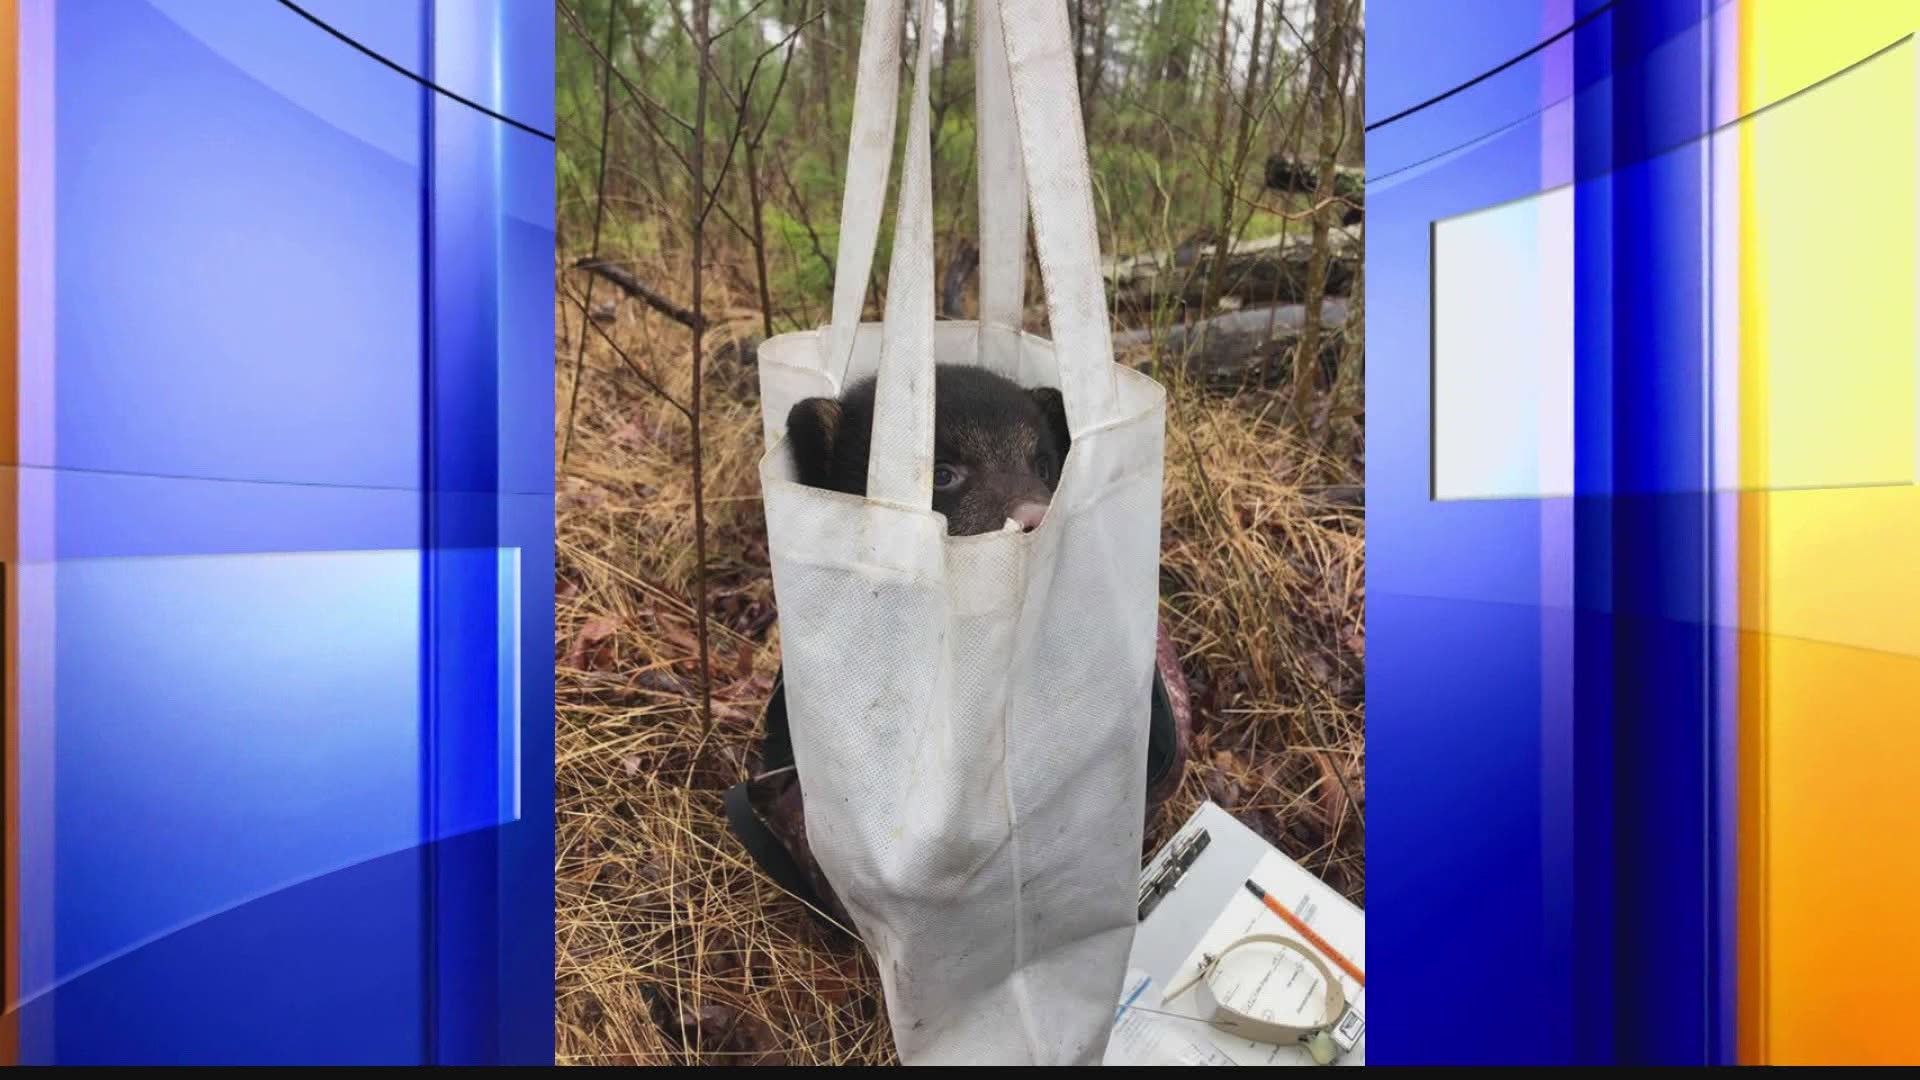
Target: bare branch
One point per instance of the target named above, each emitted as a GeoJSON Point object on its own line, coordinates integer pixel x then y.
{"type": "Point", "coordinates": [639, 95]}
{"type": "Point", "coordinates": [702, 12]}
{"type": "Point", "coordinates": [599, 207]}
{"type": "Point", "coordinates": [638, 289]}
{"type": "Point", "coordinates": [640, 373]}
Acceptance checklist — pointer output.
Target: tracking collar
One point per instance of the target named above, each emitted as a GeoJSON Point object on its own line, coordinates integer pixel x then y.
{"type": "Point", "coordinates": [1325, 1041]}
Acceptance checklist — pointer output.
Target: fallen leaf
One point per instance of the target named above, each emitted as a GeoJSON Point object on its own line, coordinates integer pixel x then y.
{"type": "Point", "coordinates": [576, 493]}
{"type": "Point", "coordinates": [596, 630]}
{"type": "Point", "coordinates": [680, 635]}
{"type": "Point", "coordinates": [720, 1029]}
{"type": "Point", "coordinates": [662, 682]}
{"type": "Point", "coordinates": [1301, 830]}
{"type": "Point", "coordinates": [631, 435]}
{"type": "Point", "coordinates": [759, 687]}
{"type": "Point", "coordinates": [1221, 787]}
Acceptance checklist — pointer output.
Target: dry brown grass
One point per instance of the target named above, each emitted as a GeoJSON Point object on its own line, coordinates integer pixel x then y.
{"type": "Point", "coordinates": [671, 948]}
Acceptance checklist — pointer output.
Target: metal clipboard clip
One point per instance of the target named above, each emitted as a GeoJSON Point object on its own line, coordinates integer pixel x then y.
{"type": "Point", "coordinates": [1162, 881]}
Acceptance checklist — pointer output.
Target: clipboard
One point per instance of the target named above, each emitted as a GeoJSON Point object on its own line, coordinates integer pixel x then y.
{"type": "Point", "coordinates": [1193, 895]}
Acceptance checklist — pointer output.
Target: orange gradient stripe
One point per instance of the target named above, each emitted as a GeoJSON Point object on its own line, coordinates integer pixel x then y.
{"type": "Point", "coordinates": [1829, 842]}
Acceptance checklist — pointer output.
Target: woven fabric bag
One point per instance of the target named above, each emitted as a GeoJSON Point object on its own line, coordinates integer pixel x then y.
{"type": "Point", "coordinates": [969, 715]}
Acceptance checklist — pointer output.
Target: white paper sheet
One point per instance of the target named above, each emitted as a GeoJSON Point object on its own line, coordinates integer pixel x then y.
{"type": "Point", "coordinates": [1143, 1036]}
{"type": "Point", "coordinates": [1255, 979]}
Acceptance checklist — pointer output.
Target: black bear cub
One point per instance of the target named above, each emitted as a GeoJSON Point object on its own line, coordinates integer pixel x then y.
{"type": "Point", "coordinates": [997, 447]}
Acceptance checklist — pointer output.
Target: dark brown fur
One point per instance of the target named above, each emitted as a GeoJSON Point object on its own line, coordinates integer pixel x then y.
{"type": "Point", "coordinates": [1000, 447]}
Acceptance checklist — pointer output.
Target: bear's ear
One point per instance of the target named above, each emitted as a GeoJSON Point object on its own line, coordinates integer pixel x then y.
{"type": "Point", "coordinates": [1054, 408]}
{"type": "Point", "coordinates": [813, 426]}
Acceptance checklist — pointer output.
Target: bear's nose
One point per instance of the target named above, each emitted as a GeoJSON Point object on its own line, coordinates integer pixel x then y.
{"type": "Point", "coordinates": [1028, 513]}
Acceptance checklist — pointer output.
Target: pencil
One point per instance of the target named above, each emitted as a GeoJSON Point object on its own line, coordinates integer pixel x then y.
{"type": "Point", "coordinates": [1313, 939]}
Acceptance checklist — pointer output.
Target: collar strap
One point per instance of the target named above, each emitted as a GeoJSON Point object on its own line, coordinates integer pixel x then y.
{"type": "Point", "coordinates": [1316, 1037]}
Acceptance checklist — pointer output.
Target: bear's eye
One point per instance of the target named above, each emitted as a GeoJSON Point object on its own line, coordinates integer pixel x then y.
{"type": "Point", "coordinates": [946, 477]}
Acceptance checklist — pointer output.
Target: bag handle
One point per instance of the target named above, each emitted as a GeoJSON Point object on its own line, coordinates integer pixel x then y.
{"type": "Point", "coordinates": [1001, 175]}
{"type": "Point", "coordinates": [876, 93]}
{"type": "Point", "coordinates": [900, 452]}
{"type": "Point", "coordinates": [1002, 180]}
{"type": "Point", "coordinates": [1053, 145]}
{"type": "Point", "coordinates": [1046, 101]}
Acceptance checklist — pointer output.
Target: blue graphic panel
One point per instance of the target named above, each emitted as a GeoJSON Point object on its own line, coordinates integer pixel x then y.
{"type": "Point", "coordinates": [285, 499]}
{"type": "Point", "coordinates": [1541, 732]}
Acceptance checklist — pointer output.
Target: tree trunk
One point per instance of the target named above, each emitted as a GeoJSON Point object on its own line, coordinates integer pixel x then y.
{"type": "Point", "coordinates": [1231, 169]}
{"type": "Point", "coordinates": [820, 44]}
{"type": "Point", "coordinates": [1094, 26]}
{"type": "Point", "coordinates": [752, 146]}
{"type": "Point", "coordinates": [1329, 30]}
{"type": "Point", "coordinates": [703, 31]}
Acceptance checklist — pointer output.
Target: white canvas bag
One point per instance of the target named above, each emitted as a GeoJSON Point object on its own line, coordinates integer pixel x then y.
{"type": "Point", "coordinates": [969, 715]}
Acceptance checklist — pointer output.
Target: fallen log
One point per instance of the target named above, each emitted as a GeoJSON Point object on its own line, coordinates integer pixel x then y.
{"type": "Point", "coordinates": [1298, 178]}
{"type": "Point", "coordinates": [1240, 348]}
{"type": "Point", "coordinates": [1268, 271]}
